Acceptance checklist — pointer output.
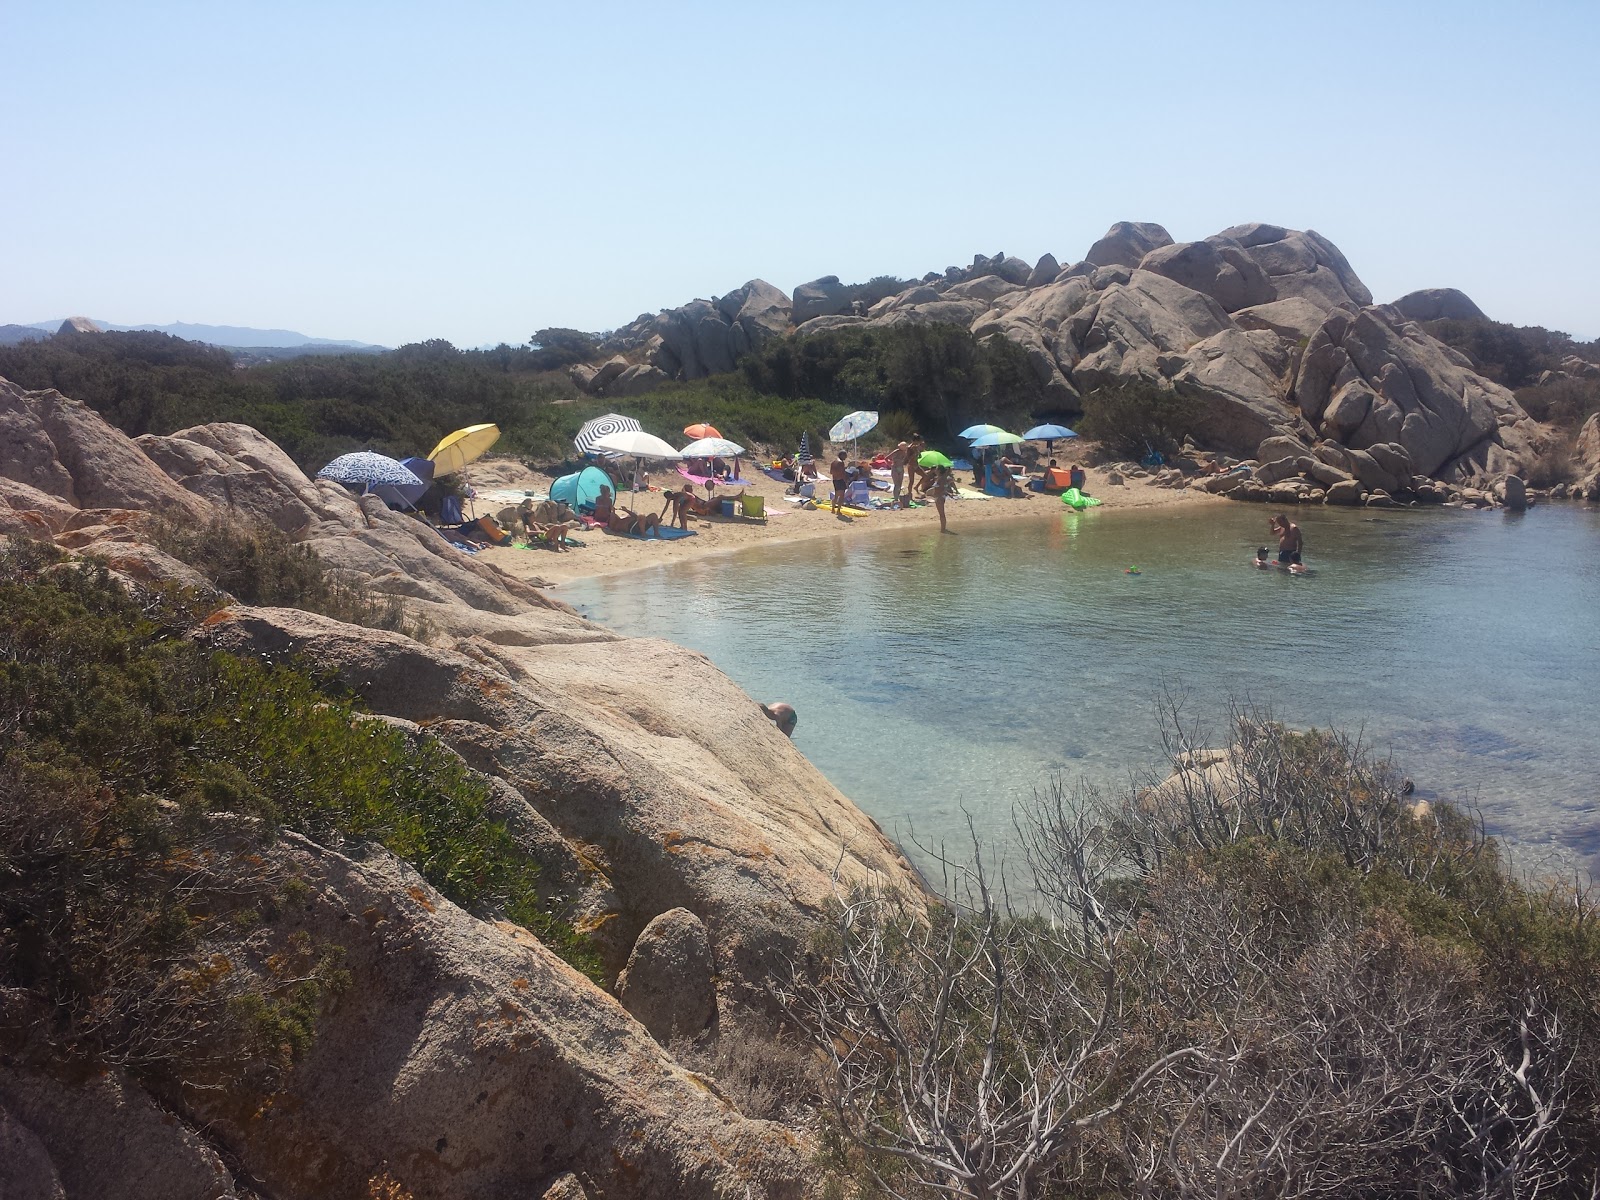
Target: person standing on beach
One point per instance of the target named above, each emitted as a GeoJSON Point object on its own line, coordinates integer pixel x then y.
{"type": "Point", "coordinates": [840, 471]}
{"type": "Point", "coordinates": [898, 458]}
{"type": "Point", "coordinates": [944, 484]}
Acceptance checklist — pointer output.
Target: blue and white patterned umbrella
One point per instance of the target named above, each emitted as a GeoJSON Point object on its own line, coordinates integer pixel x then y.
{"type": "Point", "coordinates": [600, 427]}
{"type": "Point", "coordinates": [364, 469]}
{"type": "Point", "coordinates": [712, 448]}
{"type": "Point", "coordinates": [852, 426]}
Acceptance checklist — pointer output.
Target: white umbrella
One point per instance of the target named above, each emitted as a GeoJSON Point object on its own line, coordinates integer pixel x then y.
{"type": "Point", "coordinates": [640, 445]}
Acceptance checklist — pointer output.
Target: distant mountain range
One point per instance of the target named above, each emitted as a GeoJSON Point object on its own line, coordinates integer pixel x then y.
{"type": "Point", "coordinates": [232, 336]}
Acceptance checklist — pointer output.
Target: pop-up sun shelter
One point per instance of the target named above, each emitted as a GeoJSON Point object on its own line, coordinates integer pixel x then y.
{"type": "Point", "coordinates": [580, 488]}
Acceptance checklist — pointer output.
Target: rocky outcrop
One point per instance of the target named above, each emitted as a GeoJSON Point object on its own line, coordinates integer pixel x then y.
{"type": "Point", "coordinates": [1438, 304]}
{"type": "Point", "coordinates": [825, 297]}
{"type": "Point", "coordinates": [78, 325]}
{"type": "Point", "coordinates": [1369, 376]}
{"type": "Point", "coordinates": [668, 982]}
{"type": "Point", "coordinates": [1126, 243]}
{"type": "Point", "coordinates": [465, 1058]}
{"type": "Point", "coordinates": [63, 449]}
{"type": "Point", "coordinates": [99, 1136]}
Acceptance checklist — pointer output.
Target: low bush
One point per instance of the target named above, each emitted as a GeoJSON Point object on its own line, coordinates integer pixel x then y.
{"type": "Point", "coordinates": [140, 774]}
{"type": "Point", "coordinates": [1262, 971]}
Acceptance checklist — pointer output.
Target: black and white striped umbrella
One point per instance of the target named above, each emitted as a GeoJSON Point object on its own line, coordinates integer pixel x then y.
{"type": "Point", "coordinates": [805, 454]}
{"type": "Point", "coordinates": [600, 427]}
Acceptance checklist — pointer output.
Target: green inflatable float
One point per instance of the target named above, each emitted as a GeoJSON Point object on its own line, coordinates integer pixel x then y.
{"type": "Point", "coordinates": [1073, 498]}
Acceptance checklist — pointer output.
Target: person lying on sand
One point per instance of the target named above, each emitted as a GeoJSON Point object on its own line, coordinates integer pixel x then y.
{"type": "Point", "coordinates": [555, 533]}
{"type": "Point", "coordinates": [622, 520]}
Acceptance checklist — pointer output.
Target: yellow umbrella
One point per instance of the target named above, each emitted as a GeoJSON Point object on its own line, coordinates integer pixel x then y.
{"type": "Point", "coordinates": [463, 446]}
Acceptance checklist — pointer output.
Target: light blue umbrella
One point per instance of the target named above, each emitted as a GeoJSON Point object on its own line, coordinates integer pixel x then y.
{"type": "Point", "coordinates": [976, 431]}
{"type": "Point", "coordinates": [713, 447]}
{"type": "Point", "coordinates": [998, 438]}
{"type": "Point", "coordinates": [366, 470]}
{"type": "Point", "coordinates": [1048, 433]}
{"type": "Point", "coordinates": [852, 425]}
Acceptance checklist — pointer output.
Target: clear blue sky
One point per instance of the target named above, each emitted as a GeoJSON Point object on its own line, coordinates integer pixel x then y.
{"type": "Point", "coordinates": [474, 171]}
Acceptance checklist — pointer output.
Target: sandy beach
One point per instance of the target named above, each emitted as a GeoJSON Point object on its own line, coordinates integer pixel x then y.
{"type": "Point", "coordinates": [604, 553]}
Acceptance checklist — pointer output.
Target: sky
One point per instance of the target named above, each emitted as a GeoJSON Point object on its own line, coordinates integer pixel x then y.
{"type": "Point", "coordinates": [476, 171]}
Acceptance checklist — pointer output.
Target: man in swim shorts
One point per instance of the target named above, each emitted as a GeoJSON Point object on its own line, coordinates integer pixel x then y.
{"type": "Point", "coordinates": [1289, 540]}
{"type": "Point", "coordinates": [840, 472]}
{"type": "Point", "coordinates": [897, 469]}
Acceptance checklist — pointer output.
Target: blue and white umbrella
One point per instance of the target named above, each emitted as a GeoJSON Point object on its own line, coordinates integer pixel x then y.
{"type": "Point", "coordinates": [600, 427]}
{"type": "Point", "coordinates": [366, 470]}
{"type": "Point", "coordinates": [852, 426]}
{"type": "Point", "coordinates": [712, 448]}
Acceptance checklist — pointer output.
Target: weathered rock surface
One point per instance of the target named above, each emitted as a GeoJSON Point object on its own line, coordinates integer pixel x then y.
{"type": "Point", "coordinates": [668, 983]}
{"type": "Point", "coordinates": [608, 742]}
{"type": "Point", "coordinates": [101, 1136]}
{"type": "Point", "coordinates": [467, 1060]}
{"type": "Point", "coordinates": [1126, 243]}
{"type": "Point", "coordinates": [1435, 304]}
{"type": "Point", "coordinates": [1251, 322]}
{"type": "Point", "coordinates": [825, 297]}
{"type": "Point", "coordinates": [62, 448]}
{"type": "Point", "coordinates": [1370, 376]}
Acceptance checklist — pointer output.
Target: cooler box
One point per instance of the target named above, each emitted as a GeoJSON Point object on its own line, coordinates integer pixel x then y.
{"type": "Point", "coordinates": [727, 508]}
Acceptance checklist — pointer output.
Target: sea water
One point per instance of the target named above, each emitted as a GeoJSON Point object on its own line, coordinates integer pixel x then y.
{"type": "Point", "coordinates": [939, 678]}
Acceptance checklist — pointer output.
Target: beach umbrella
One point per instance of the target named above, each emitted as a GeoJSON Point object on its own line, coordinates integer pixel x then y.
{"type": "Point", "coordinates": [639, 445]}
{"type": "Point", "coordinates": [1049, 435]}
{"type": "Point", "coordinates": [600, 427]}
{"type": "Point", "coordinates": [932, 458]}
{"type": "Point", "coordinates": [365, 470]}
{"type": "Point", "coordinates": [852, 425]}
{"type": "Point", "coordinates": [456, 450]}
{"type": "Point", "coordinates": [998, 438]}
{"type": "Point", "coordinates": [804, 455]}
{"type": "Point", "coordinates": [975, 431]}
{"type": "Point", "coordinates": [713, 447]}
{"type": "Point", "coordinates": [406, 495]}
{"type": "Point", "coordinates": [701, 431]}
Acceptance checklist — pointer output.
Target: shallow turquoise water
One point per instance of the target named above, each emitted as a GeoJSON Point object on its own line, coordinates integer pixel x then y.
{"type": "Point", "coordinates": [940, 675]}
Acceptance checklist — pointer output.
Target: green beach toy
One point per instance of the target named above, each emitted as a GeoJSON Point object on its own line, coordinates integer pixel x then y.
{"type": "Point", "coordinates": [1073, 498]}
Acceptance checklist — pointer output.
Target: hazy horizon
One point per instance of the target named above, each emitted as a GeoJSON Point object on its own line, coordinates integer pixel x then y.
{"type": "Point", "coordinates": [392, 173]}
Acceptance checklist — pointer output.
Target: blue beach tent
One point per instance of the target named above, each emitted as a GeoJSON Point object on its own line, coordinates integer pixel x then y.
{"type": "Point", "coordinates": [580, 489]}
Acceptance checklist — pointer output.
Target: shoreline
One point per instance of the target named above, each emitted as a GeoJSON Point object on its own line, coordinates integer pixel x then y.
{"type": "Point", "coordinates": [605, 554]}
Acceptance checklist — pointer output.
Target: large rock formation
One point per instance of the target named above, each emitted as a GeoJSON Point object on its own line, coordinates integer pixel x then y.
{"type": "Point", "coordinates": [1439, 304]}
{"type": "Point", "coordinates": [465, 1056]}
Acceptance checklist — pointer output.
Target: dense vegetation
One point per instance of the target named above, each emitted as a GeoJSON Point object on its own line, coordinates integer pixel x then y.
{"type": "Point", "coordinates": [402, 402]}
{"type": "Point", "coordinates": [142, 779]}
{"type": "Point", "coordinates": [1132, 419]}
{"type": "Point", "coordinates": [1274, 976]}
{"type": "Point", "coordinates": [1517, 355]}
{"type": "Point", "coordinates": [939, 376]}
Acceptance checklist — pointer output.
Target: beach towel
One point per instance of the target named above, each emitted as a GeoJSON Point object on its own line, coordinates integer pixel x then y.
{"type": "Point", "coordinates": [701, 480]}
{"type": "Point", "coordinates": [661, 533]}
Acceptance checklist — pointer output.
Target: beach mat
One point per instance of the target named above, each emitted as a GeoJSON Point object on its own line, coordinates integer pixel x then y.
{"type": "Point", "coordinates": [659, 534]}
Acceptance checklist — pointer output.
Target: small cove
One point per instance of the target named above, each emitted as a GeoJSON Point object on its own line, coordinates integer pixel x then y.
{"type": "Point", "coordinates": [937, 676]}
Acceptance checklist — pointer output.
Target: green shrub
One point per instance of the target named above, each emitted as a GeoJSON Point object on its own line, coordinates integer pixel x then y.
{"type": "Point", "coordinates": [139, 773]}
{"type": "Point", "coordinates": [1132, 419]}
{"type": "Point", "coordinates": [260, 565]}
